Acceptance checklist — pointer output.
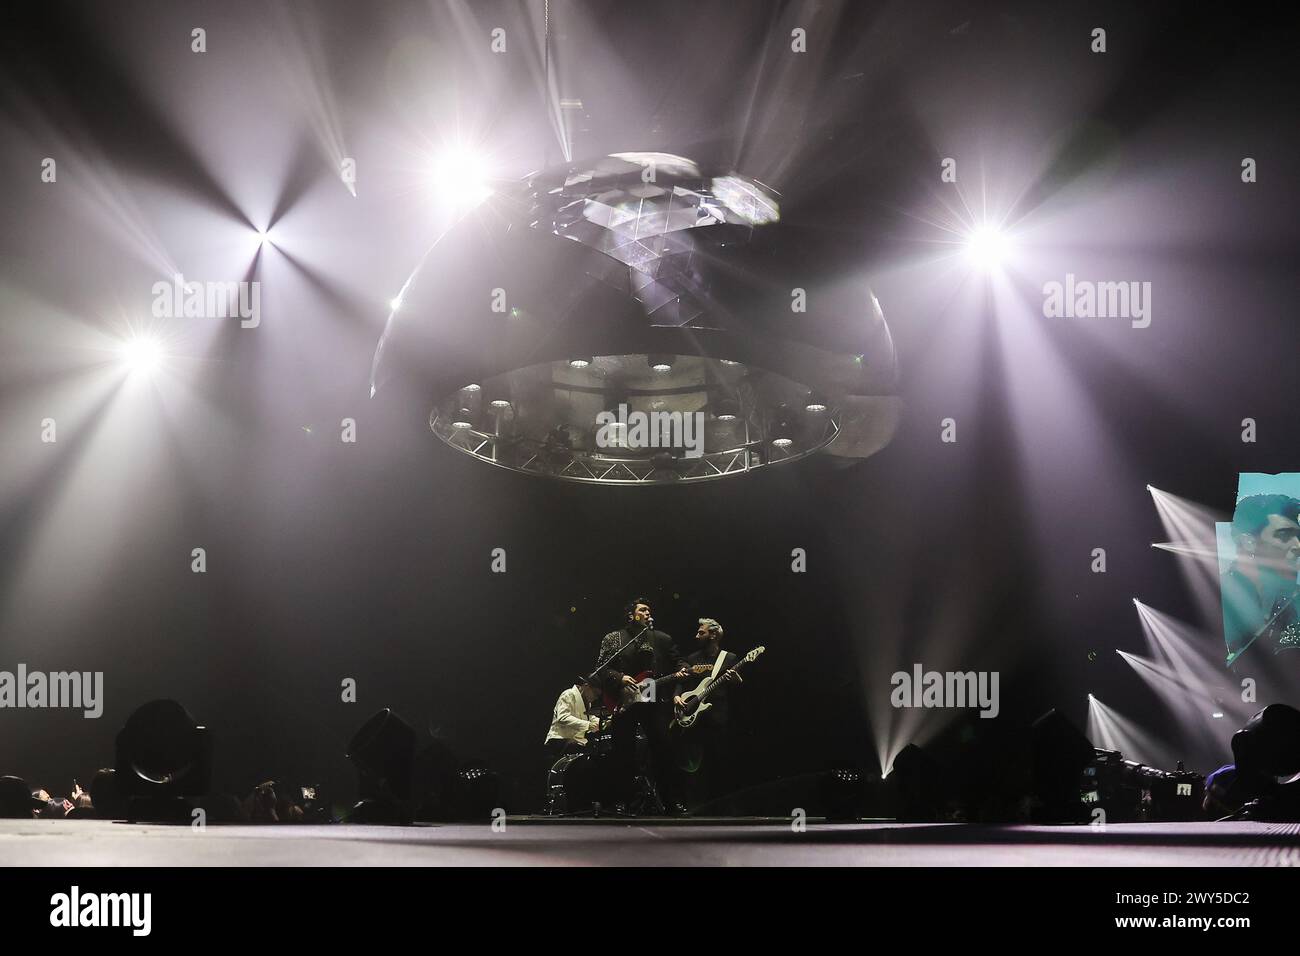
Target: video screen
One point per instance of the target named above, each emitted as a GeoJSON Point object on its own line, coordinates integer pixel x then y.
{"type": "Point", "coordinates": [1259, 560]}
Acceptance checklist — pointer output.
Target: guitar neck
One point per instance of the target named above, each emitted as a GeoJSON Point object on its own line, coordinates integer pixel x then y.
{"type": "Point", "coordinates": [689, 668]}
{"type": "Point", "coordinates": [718, 683]}
{"type": "Point", "coordinates": [734, 667]}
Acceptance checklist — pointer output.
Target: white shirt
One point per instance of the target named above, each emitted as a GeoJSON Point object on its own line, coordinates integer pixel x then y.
{"type": "Point", "coordinates": [570, 720]}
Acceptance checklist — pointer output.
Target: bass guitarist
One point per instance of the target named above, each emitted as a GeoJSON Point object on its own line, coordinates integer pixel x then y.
{"type": "Point", "coordinates": [704, 749]}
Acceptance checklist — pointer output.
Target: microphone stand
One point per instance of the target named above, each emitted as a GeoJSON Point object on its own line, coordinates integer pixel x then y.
{"type": "Point", "coordinates": [591, 678]}
{"type": "Point", "coordinates": [1267, 626]}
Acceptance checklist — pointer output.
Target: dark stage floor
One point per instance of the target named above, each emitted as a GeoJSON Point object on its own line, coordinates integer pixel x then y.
{"type": "Point", "coordinates": [650, 843]}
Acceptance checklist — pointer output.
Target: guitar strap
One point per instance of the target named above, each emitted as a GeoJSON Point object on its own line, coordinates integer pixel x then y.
{"type": "Point", "coordinates": [717, 665]}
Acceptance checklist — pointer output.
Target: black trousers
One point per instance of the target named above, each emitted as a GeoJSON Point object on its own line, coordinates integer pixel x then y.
{"type": "Point", "coordinates": [714, 770]}
{"type": "Point", "coordinates": [652, 719]}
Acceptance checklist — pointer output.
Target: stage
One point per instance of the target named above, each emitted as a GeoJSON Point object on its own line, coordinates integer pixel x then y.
{"type": "Point", "coordinates": [699, 842]}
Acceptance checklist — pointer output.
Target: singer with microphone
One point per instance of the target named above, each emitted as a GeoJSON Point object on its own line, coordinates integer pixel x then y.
{"type": "Point", "coordinates": [633, 653]}
{"type": "Point", "coordinates": [1261, 600]}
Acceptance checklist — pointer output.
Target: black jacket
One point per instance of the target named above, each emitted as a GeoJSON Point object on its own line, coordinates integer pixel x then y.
{"type": "Point", "coordinates": [652, 652]}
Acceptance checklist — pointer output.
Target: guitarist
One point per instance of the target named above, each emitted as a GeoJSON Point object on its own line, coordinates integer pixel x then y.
{"type": "Point", "coordinates": [704, 746]}
{"type": "Point", "coordinates": [649, 652]}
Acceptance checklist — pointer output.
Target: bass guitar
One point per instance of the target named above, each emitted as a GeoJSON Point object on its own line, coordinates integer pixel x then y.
{"type": "Point", "coordinates": [696, 702]}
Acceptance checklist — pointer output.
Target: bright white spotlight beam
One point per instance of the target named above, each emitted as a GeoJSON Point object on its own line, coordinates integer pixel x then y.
{"type": "Point", "coordinates": [987, 247]}
{"type": "Point", "coordinates": [459, 177]}
{"type": "Point", "coordinates": [142, 355]}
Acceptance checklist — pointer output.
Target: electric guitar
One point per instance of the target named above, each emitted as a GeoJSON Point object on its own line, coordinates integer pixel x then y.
{"type": "Point", "coordinates": [646, 686]}
{"type": "Point", "coordinates": [696, 702]}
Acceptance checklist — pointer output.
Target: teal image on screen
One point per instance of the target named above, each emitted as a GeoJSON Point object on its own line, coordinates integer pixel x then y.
{"type": "Point", "coordinates": [1259, 565]}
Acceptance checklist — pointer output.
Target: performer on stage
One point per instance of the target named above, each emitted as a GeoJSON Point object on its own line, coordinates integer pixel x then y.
{"type": "Point", "coordinates": [638, 649]}
{"type": "Point", "coordinates": [705, 746]}
{"type": "Point", "coordinates": [570, 723]}
{"type": "Point", "coordinates": [1261, 606]}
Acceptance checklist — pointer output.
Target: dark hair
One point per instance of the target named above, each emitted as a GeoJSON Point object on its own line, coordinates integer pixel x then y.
{"type": "Point", "coordinates": [630, 609]}
{"type": "Point", "coordinates": [1252, 514]}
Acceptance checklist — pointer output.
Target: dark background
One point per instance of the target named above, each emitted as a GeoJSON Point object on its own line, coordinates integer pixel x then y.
{"type": "Point", "coordinates": [371, 561]}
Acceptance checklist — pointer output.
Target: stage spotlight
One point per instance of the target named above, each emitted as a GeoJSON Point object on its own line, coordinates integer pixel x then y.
{"type": "Point", "coordinates": [579, 362]}
{"type": "Point", "coordinates": [163, 757]}
{"type": "Point", "coordinates": [263, 238]}
{"type": "Point", "coordinates": [142, 355]}
{"type": "Point", "coordinates": [1108, 729]}
{"type": "Point", "coordinates": [781, 429]}
{"type": "Point", "coordinates": [1184, 667]}
{"type": "Point", "coordinates": [459, 175]}
{"type": "Point", "coordinates": [395, 303]}
{"type": "Point", "coordinates": [987, 246]}
{"type": "Point", "coordinates": [660, 363]}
